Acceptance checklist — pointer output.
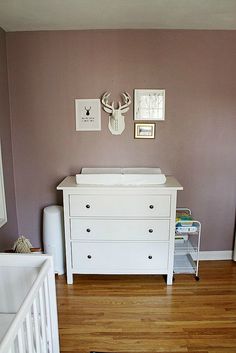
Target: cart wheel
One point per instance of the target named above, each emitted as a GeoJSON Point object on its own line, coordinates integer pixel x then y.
{"type": "Point", "coordinates": [197, 278]}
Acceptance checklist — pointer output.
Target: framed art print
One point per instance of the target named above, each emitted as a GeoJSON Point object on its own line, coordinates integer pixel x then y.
{"type": "Point", "coordinates": [88, 114]}
{"type": "Point", "coordinates": [149, 104]}
{"type": "Point", "coordinates": [144, 130]}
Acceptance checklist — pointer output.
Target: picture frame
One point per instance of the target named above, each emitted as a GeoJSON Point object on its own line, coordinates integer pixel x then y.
{"type": "Point", "coordinates": [144, 130]}
{"type": "Point", "coordinates": [149, 104]}
{"type": "Point", "coordinates": [88, 114]}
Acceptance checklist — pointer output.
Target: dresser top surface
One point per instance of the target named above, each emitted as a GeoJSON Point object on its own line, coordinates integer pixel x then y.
{"type": "Point", "coordinates": [70, 183]}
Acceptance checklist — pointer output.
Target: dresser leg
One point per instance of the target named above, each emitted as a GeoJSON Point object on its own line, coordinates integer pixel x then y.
{"type": "Point", "coordinates": [169, 279]}
{"type": "Point", "coordinates": [69, 276]}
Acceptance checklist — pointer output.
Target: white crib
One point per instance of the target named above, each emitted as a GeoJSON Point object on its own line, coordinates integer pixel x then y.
{"type": "Point", "coordinates": [28, 310]}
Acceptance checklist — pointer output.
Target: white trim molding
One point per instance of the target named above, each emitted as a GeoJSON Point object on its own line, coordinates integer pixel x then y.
{"type": "Point", "coordinates": [3, 211]}
{"type": "Point", "coordinates": [216, 255]}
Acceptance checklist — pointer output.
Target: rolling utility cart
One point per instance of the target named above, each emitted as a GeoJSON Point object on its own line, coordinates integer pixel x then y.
{"type": "Point", "coordinates": [187, 243]}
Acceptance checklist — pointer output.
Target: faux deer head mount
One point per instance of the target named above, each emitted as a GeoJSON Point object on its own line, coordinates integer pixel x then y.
{"type": "Point", "coordinates": [116, 119]}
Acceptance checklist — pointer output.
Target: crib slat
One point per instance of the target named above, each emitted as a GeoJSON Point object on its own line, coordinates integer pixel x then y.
{"type": "Point", "coordinates": [34, 328]}
{"type": "Point", "coordinates": [20, 343]}
{"type": "Point", "coordinates": [36, 325]}
{"type": "Point", "coordinates": [48, 316]}
{"type": "Point", "coordinates": [42, 320]}
{"type": "Point", "coordinates": [29, 334]}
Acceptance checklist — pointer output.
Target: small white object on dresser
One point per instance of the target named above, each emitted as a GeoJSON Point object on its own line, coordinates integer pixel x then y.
{"type": "Point", "coordinates": [119, 229]}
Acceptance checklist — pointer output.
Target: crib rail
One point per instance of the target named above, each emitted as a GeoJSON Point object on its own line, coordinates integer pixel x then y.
{"type": "Point", "coordinates": [34, 328]}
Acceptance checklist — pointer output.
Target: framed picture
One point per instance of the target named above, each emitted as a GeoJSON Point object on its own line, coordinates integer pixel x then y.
{"type": "Point", "coordinates": [144, 130]}
{"type": "Point", "coordinates": [149, 104]}
{"type": "Point", "coordinates": [88, 114]}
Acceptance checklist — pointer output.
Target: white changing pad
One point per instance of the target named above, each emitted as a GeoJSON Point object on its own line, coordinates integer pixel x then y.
{"type": "Point", "coordinates": [5, 321]}
{"type": "Point", "coordinates": [120, 176]}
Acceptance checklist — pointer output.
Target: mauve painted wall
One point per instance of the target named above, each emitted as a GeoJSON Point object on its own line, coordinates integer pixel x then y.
{"type": "Point", "coordinates": [9, 232]}
{"type": "Point", "coordinates": [196, 143]}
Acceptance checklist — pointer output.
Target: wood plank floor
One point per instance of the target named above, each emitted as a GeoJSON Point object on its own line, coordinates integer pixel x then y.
{"type": "Point", "coordinates": [142, 314]}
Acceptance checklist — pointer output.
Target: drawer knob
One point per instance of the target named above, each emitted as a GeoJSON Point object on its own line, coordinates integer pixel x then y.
{"type": "Point", "coordinates": [151, 207]}
{"type": "Point", "coordinates": [150, 257]}
{"type": "Point", "coordinates": [150, 230]}
{"type": "Point", "coordinates": [88, 230]}
{"type": "Point", "coordinates": [87, 206]}
{"type": "Point", "coordinates": [89, 256]}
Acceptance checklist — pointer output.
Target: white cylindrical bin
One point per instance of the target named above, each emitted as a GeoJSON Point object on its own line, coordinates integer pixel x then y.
{"type": "Point", "coordinates": [53, 236]}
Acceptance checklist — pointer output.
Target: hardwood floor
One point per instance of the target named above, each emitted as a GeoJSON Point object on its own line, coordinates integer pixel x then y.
{"type": "Point", "coordinates": [142, 314]}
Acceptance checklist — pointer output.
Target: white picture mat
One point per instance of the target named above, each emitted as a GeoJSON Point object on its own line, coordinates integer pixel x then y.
{"type": "Point", "coordinates": [149, 104]}
{"type": "Point", "coordinates": [88, 114]}
{"type": "Point", "coordinates": [145, 131]}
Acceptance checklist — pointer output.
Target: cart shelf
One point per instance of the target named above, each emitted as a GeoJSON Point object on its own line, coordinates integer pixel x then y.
{"type": "Point", "coordinates": [184, 264]}
{"type": "Point", "coordinates": [187, 243]}
{"type": "Point", "coordinates": [185, 246]}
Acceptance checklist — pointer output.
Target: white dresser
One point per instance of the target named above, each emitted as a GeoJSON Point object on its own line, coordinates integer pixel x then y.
{"type": "Point", "coordinates": [119, 229]}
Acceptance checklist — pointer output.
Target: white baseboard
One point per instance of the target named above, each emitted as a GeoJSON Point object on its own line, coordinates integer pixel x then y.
{"type": "Point", "coordinates": [216, 255]}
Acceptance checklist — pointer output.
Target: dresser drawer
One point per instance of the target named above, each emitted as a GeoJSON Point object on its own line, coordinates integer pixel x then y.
{"type": "Point", "coordinates": [119, 257]}
{"type": "Point", "coordinates": [119, 205]}
{"type": "Point", "coordinates": [101, 229]}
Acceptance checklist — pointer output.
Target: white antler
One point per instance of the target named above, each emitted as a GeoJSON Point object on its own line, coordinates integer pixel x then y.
{"type": "Point", "coordinates": [107, 107]}
{"type": "Point", "coordinates": [127, 100]}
